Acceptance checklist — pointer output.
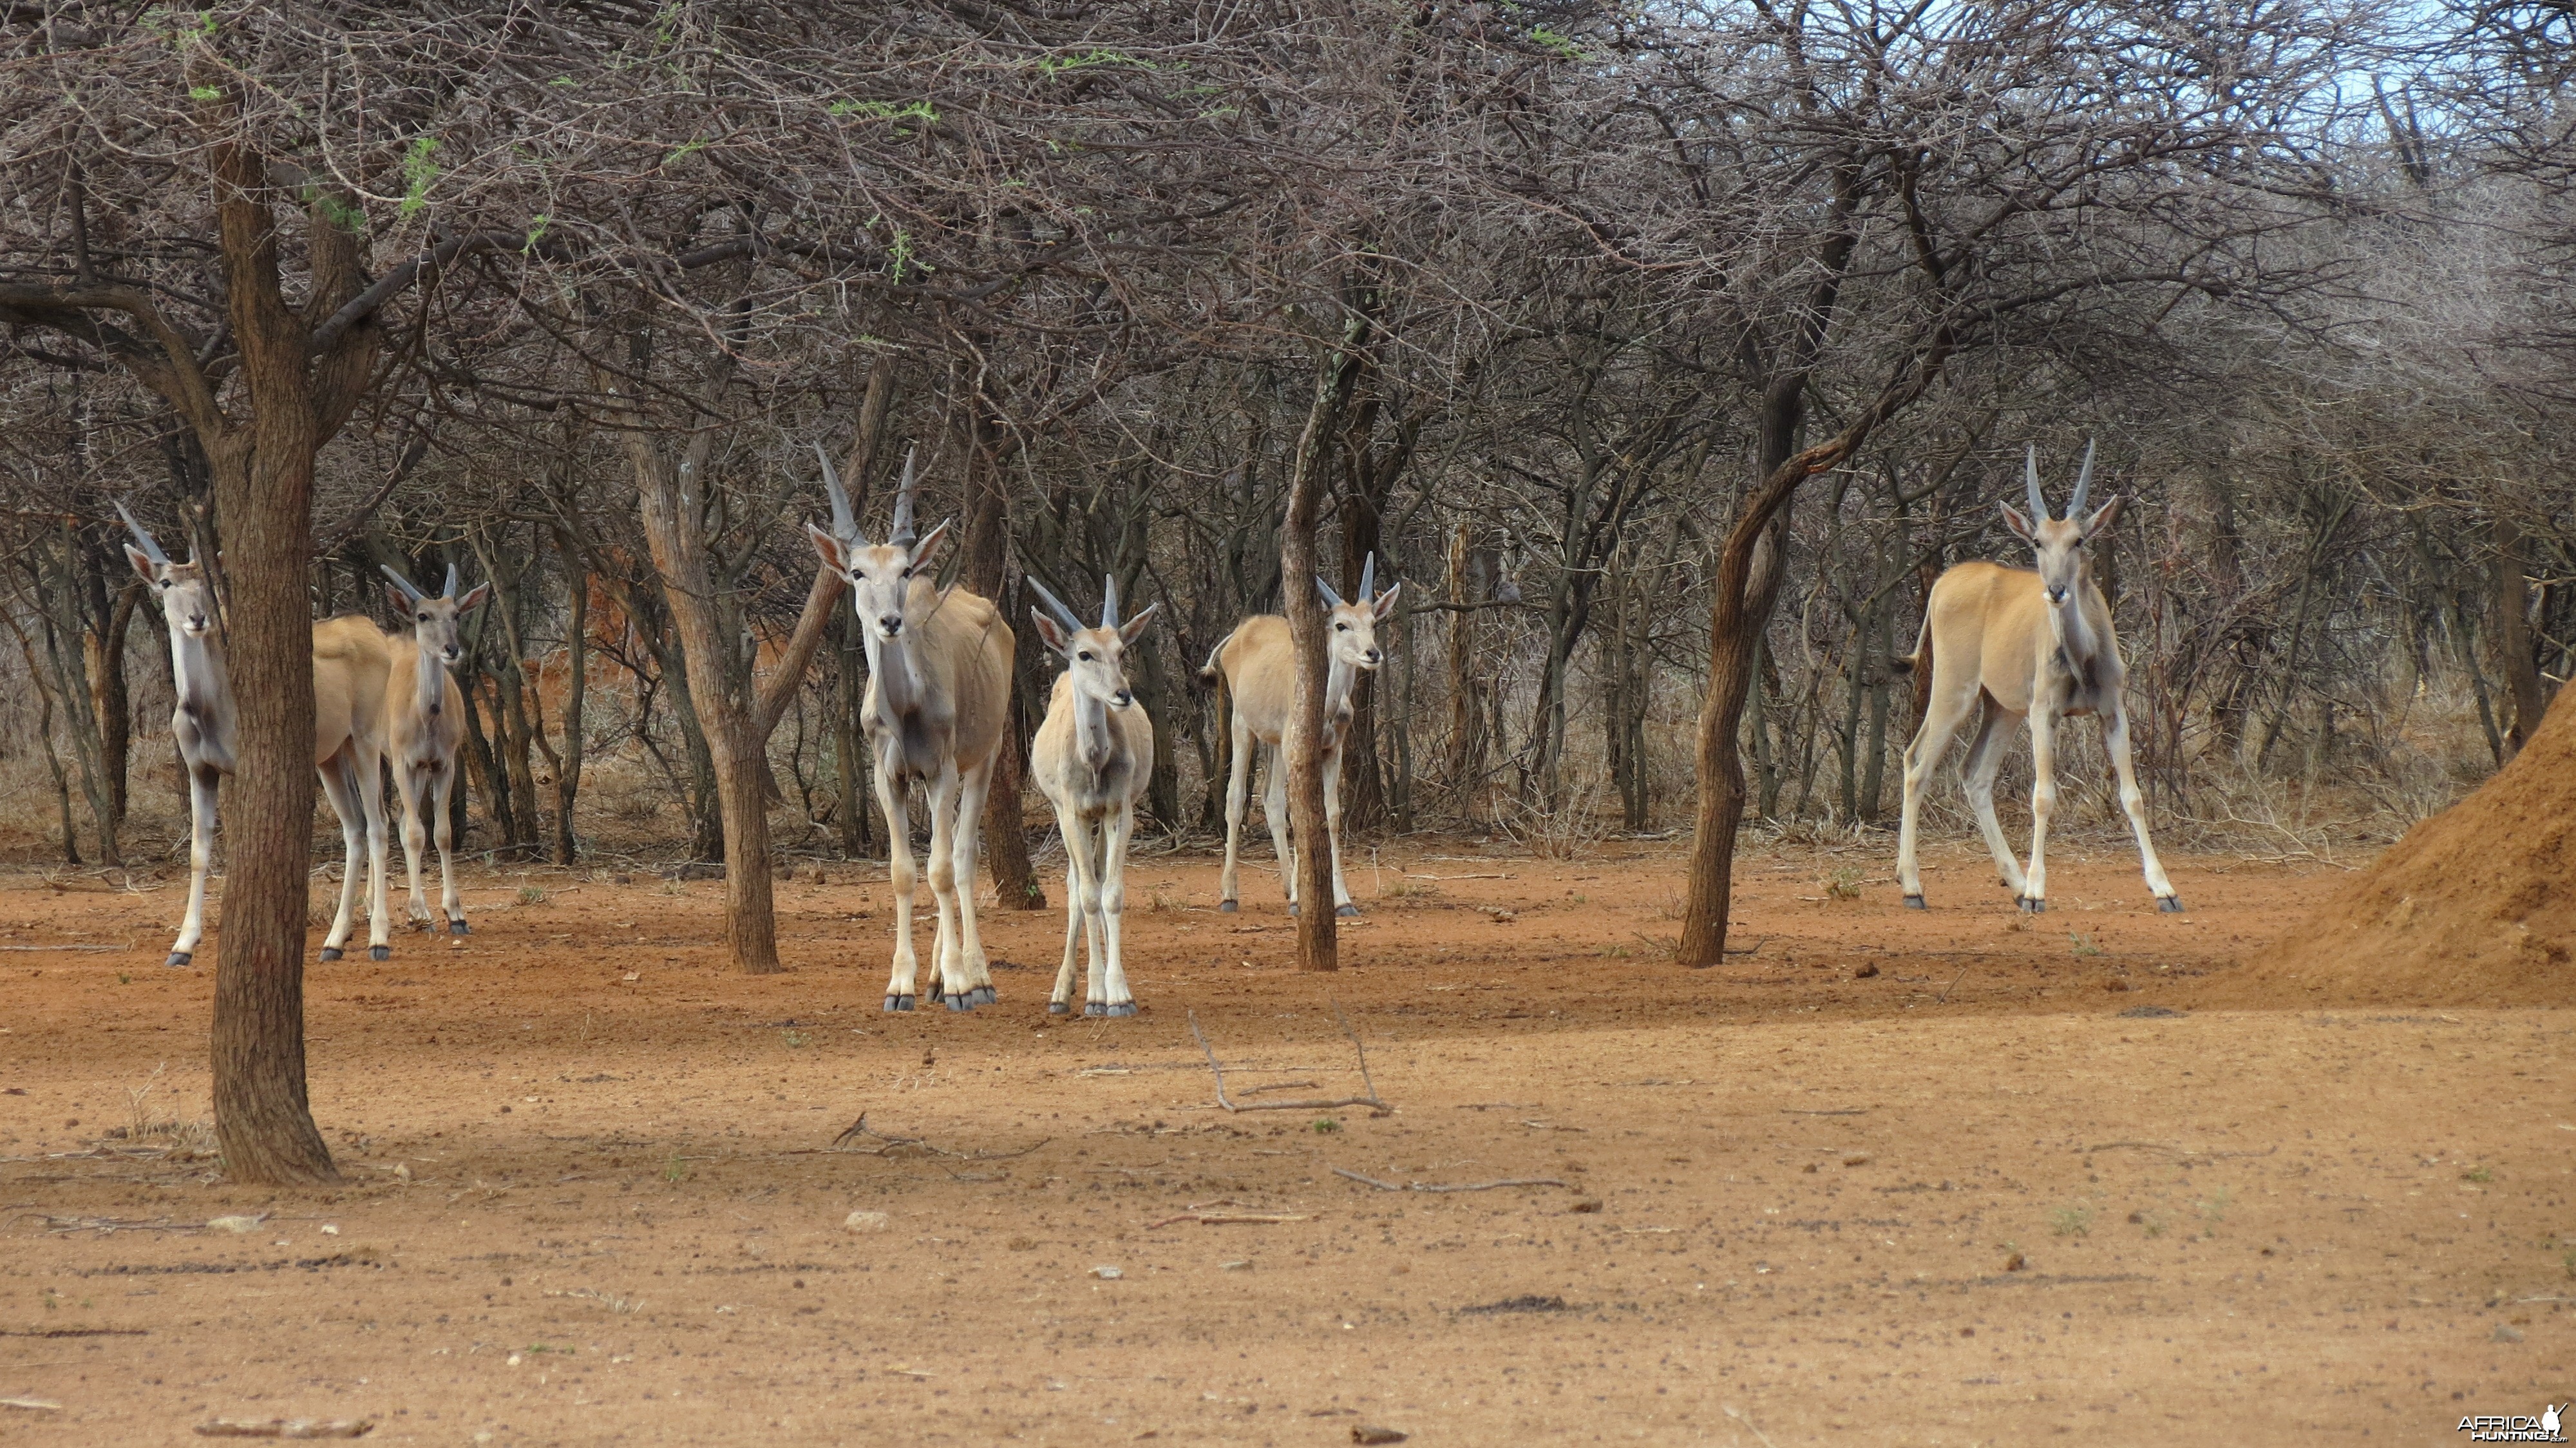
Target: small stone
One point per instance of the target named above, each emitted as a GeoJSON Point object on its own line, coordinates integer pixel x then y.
{"type": "Point", "coordinates": [2507, 1334]}
{"type": "Point", "coordinates": [1107, 1273]}
{"type": "Point", "coordinates": [1866, 971]}
{"type": "Point", "coordinates": [330, 1229]}
{"type": "Point", "coordinates": [866, 1222]}
{"type": "Point", "coordinates": [1588, 1204]}
{"type": "Point", "coordinates": [233, 1224]}
{"type": "Point", "coordinates": [1370, 1433]}
{"type": "Point", "coordinates": [1234, 1266]}
{"type": "Point", "coordinates": [1856, 1158]}
{"type": "Point", "coordinates": [515, 1360]}
{"type": "Point", "coordinates": [2016, 1263]}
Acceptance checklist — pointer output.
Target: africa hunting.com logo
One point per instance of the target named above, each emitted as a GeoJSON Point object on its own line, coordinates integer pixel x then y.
{"type": "Point", "coordinates": [2515, 1427]}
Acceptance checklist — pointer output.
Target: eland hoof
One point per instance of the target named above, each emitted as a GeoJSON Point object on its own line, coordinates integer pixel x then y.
{"type": "Point", "coordinates": [1347, 912]}
{"type": "Point", "coordinates": [2169, 904]}
{"type": "Point", "coordinates": [380, 952]}
{"type": "Point", "coordinates": [1915, 902]}
{"type": "Point", "coordinates": [899, 1003]}
{"type": "Point", "coordinates": [179, 960]}
{"type": "Point", "coordinates": [938, 992]}
{"type": "Point", "coordinates": [1123, 1008]}
{"type": "Point", "coordinates": [1226, 907]}
{"type": "Point", "coordinates": [1094, 1008]}
{"type": "Point", "coordinates": [330, 952]}
{"type": "Point", "coordinates": [962, 1003]}
{"type": "Point", "coordinates": [1292, 907]}
{"type": "Point", "coordinates": [458, 927]}
{"type": "Point", "coordinates": [981, 995]}
{"type": "Point", "coordinates": [1059, 1008]}
{"type": "Point", "coordinates": [2030, 906]}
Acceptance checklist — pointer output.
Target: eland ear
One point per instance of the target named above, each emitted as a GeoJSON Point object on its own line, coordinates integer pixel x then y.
{"type": "Point", "coordinates": [473, 598]}
{"type": "Point", "coordinates": [1051, 632]}
{"type": "Point", "coordinates": [1386, 602]}
{"type": "Point", "coordinates": [143, 565]}
{"type": "Point", "coordinates": [928, 546]}
{"type": "Point", "coordinates": [2103, 517]}
{"type": "Point", "coordinates": [827, 548]}
{"type": "Point", "coordinates": [1134, 628]}
{"type": "Point", "coordinates": [2016, 522]}
{"type": "Point", "coordinates": [401, 598]}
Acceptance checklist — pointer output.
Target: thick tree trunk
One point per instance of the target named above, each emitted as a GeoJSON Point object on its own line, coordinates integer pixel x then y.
{"type": "Point", "coordinates": [667, 498]}
{"type": "Point", "coordinates": [849, 754]}
{"type": "Point", "coordinates": [1466, 763]}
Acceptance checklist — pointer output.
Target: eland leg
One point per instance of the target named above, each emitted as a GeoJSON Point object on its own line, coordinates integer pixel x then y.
{"type": "Point", "coordinates": [1108, 907]}
{"type": "Point", "coordinates": [973, 787]}
{"type": "Point", "coordinates": [1274, 805]}
{"type": "Point", "coordinates": [201, 858]}
{"type": "Point", "coordinates": [371, 799]}
{"type": "Point", "coordinates": [947, 957]}
{"type": "Point", "coordinates": [1977, 773]}
{"type": "Point", "coordinates": [415, 839]}
{"type": "Point", "coordinates": [1077, 849]}
{"type": "Point", "coordinates": [1931, 742]}
{"type": "Point", "coordinates": [1238, 793]}
{"type": "Point", "coordinates": [2043, 803]}
{"type": "Point", "coordinates": [1333, 828]}
{"type": "Point", "coordinates": [340, 784]}
{"type": "Point", "coordinates": [902, 987]}
{"type": "Point", "coordinates": [2133, 801]}
{"type": "Point", "coordinates": [442, 826]}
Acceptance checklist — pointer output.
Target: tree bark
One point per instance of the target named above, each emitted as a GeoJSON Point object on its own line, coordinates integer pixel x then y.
{"type": "Point", "coordinates": [1318, 942]}
{"type": "Point", "coordinates": [988, 541]}
{"type": "Point", "coordinates": [576, 690]}
{"type": "Point", "coordinates": [2515, 660]}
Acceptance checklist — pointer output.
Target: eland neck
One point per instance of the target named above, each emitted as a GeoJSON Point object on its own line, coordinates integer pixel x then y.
{"type": "Point", "coordinates": [1098, 743]}
{"type": "Point", "coordinates": [1338, 679]}
{"type": "Point", "coordinates": [898, 682]}
{"type": "Point", "coordinates": [429, 693]}
{"type": "Point", "coordinates": [2067, 625]}
{"type": "Point", "coordinates": [203, 680]}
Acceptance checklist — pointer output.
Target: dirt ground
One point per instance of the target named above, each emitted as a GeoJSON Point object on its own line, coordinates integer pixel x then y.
{"type": "Point", "coordinates": [1942, 1178]}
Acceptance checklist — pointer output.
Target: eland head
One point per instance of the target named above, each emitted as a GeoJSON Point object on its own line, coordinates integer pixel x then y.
{"type": "Point", "coordinates": [2059, 542]}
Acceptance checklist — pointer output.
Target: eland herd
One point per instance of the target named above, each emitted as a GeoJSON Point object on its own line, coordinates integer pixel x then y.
{"type": "Point", "coordinates": [2001, 644]}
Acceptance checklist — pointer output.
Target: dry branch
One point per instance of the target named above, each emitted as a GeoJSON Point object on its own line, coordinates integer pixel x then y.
{"type": "Point", "coordinates": [1372, 1100]}
{"type": "Point", "coordinates": [1387, 1186]}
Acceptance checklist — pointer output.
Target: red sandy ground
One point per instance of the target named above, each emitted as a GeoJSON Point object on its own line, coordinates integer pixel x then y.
{"type": "Point", "coordinates": [584, 1208]}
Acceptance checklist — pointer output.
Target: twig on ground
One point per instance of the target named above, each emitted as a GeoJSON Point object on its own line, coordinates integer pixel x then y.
{"type": "Point", "coordinates": [1847, 1111]}
{"type": "Point", "coordinates": [1277, 1086]}
{"type": "Point", "coordinates": [1748, 1422]}
{"type": "Point", "coordinates": [1372, 1100]}
{"type": "Point", "coordinates": [31, 1405]}
{"type": "Point", "coordinates": [1945, 995]}
{"type": "Point", "coordinates": [848, 1143]}
{"type": "Point", "coordinates": [295, 1428]}
{"type": "Point", "coordinates": [1387, 1186]}
{"type": "Point", "coordinates": [1222, 1219]}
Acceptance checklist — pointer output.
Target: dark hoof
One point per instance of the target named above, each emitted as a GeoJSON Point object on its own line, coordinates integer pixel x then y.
{"type": "Point", "coordinates": [178, 960]}
{"type": "Point", "coordinates": [458, 927]}
{"type": "Point", "coordinates": [981, 995]}
{"type": "Point", "coordinates": [1059, 1008]}
{"type": "Point", "coordinates": [330, 952]}
{"type": "Point", "coordinates": [1123, 1008]}
{"type": "Point", "coordinates": [1094, 1008]}
{"type": "Point", "coordinates": [962, 1003]}
{"type": "Point", "coordinates": [2169, 905]}
{"type": "Point", "coordinates": [938, 992]}
{"type": "Point", "coordinates": [2030, 906]}
{"type": "Point", "coordinates": [1915, 902]}
{"type": "Point", "coordinates": [1292, 907]}
{"type": "Point", "coordinates": [1347, 912]}
{"type": "Point", "coordinates": [899, 1002]}
{"type": "Point", "coordinates": [380, 952]}
{"type": "Point", "coordinates": [1226, 907]}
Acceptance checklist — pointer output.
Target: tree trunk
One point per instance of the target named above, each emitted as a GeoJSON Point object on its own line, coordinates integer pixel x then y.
{"type": "Point", "coordinates": [1318, 942]}
{"type": "Point", "coordinates": [2515, 661]}
{"type": "Point", "coordinates": [988, 539]}
{"type": "Point", "coordinates": [668, 498]}
{"type": "Point", "coordinates": [849, 753]}
{"type": "Point", "coordinates": [114, 701]}
{"type": "Point", "coordinates": [576, 691]}
{"type": "Point", "coordinates": [45, 741]}
{"type": "Point", "coordinates": [1466, 764]}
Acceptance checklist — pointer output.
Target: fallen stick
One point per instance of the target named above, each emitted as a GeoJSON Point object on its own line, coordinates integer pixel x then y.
{"type": "Point", "coordinates": [31, 1405]}
{"type": "Point", "coordinates": [1372, 1100]}
{"type": "Point", "coordinates": [1847, 1111]}
{"type": "Point", "coordinates": [127, 946]}
{"type": "Point", "coordinates": [1278, 1086]}
{"type": "Point", "coordinates": [1945, 993]}
{"type": "Point", "coordinates": [288, 1428]}
{"type": "Point", "coordinates": [1229, 1219]}
{"type": "Point", "coordinates": [1385, 1186]}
